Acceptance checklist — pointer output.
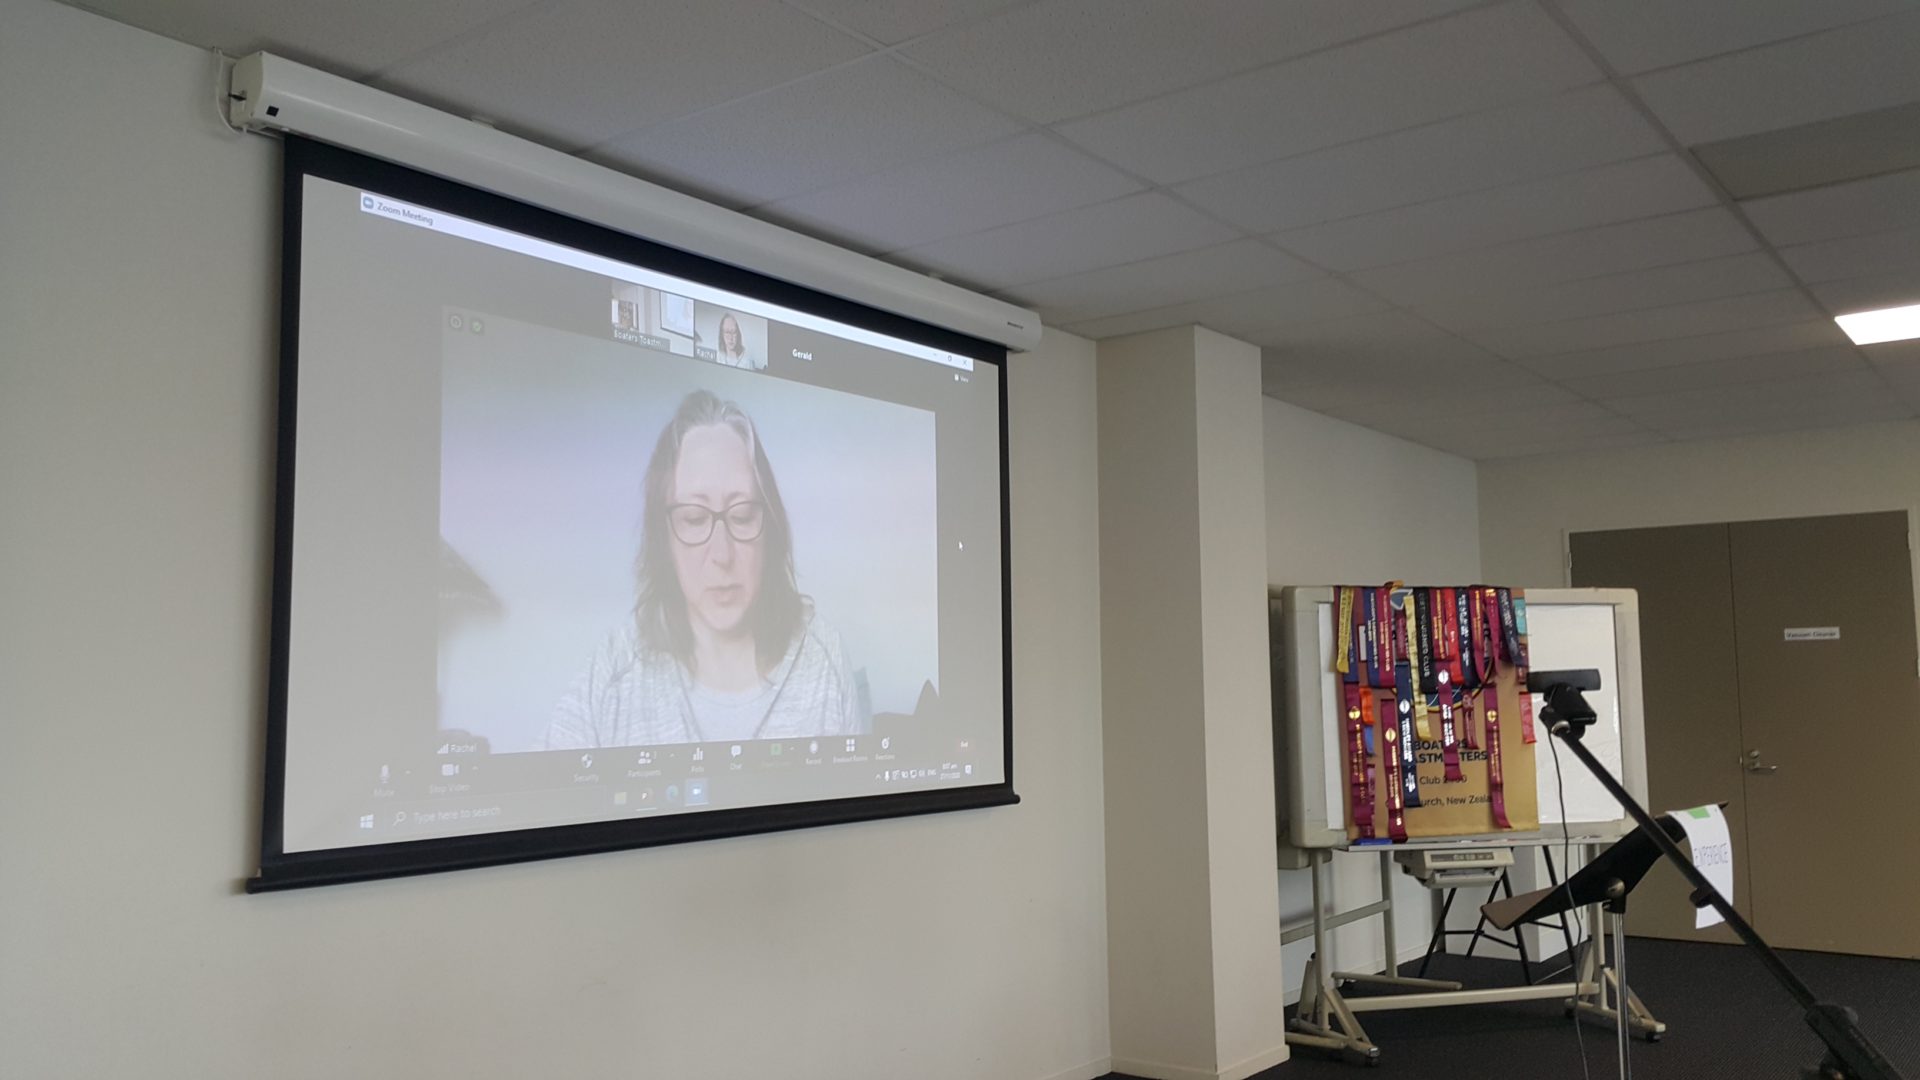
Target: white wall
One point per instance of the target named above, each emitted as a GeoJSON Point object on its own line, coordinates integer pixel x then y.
{"type": "Point", "coordinates": [137, 290]}
{"type": "Point", "coordinates": [1349, 506]}
{"type": "Point", "coordinates": [1530, 505]}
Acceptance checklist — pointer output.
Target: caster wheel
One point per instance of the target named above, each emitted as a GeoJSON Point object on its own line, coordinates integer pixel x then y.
{"type": "Point", "coordinates": [1653, 1036]}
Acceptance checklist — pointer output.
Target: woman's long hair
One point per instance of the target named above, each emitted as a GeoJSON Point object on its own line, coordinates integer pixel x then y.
{"type": "Point", "coordinates": [739, 337]}
{"type": "Point", "coordinates": [660, 611]}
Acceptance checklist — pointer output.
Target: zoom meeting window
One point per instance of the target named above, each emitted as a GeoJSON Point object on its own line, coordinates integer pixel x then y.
{"type": "Point", "coordinates": [578, 541]}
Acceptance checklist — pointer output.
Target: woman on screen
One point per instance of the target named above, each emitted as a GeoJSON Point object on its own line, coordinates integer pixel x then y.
{"type": "Point", "coordinates": [722, 645]}
{"type": "Point", "coordinates": [732, 347]}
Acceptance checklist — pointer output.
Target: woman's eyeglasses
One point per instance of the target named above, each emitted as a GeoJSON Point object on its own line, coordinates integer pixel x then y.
{"type": "Point", "coordinates": [693, 524]}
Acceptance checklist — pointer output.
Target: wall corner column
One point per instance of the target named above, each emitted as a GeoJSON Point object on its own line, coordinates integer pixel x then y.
{"type": "Point", "coordinates": [1195, 984]}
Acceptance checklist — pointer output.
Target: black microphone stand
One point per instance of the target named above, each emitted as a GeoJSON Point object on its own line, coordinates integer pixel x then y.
{"type": "Point", "coordinates": [1850, 1054]}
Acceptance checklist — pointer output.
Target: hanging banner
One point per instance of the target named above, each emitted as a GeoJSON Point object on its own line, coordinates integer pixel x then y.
{"type": "Point", "coordinates": [1448, 789]}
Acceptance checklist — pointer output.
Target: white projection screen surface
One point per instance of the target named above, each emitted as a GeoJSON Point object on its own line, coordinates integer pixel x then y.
{"type": "Point", "coordinates": [586, 543]}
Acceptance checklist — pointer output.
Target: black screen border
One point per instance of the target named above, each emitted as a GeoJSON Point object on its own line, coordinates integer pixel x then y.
{"type": "Point", "coordinates": [280, 869]}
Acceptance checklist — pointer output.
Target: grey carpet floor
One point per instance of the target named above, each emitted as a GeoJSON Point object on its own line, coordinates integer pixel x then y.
{"type": "Point", "coordinates": [1726, 1020]}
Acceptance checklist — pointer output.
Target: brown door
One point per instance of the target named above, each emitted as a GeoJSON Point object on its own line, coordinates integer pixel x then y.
{"type": "Point", "coordinates": [1691, 685]}
{"type": "Point", "coordinates": [1782, 678]}
{"type": "Point", "coordinates": [1832, 725]}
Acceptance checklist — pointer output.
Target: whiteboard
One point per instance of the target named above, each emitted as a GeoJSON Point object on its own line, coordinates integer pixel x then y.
{"type": "Point", "coordinates": [1559, 637]}
{"type": "Point", "coordinates": [1567, 628]}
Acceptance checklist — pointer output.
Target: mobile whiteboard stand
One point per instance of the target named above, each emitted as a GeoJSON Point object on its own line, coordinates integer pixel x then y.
{"type": "Point", "coordinates": [1327, 1019]}
{"type": "Point", "coordinates": [1568, 628]}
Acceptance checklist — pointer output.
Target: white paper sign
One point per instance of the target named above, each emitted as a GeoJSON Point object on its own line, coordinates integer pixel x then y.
{"type": "Point", "coordinates": [1712, 854]}
{"type": "Point", "coordinates": [1813, 633]}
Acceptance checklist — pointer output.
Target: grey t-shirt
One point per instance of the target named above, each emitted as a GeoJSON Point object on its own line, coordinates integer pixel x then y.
{"type": "Point", "coordinates": [630, 695]}
{"type": "Point", "coordinates": [730, 717]}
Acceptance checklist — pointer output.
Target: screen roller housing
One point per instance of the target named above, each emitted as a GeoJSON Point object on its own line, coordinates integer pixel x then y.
{"type": "Point", "coordinates": [272, 93]}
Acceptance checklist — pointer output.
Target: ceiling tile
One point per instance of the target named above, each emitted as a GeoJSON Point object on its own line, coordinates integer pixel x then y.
{"type": "Point", "coordinates": [1267, 316]}
{"type": "Point", "coordinates": [1171, 279]}
{"type": "Point", "coordinates": [1897, 361]}
{"type": "Point", "coordinates": [1057, 59]}
{"type": "Point", "coordinates": [1832, 391]}
{"type": "Point", "coordinates": [1852, 209]}
{"type": "Point", "coordinates": [1634, 189]}
{"type": "Point", "coordinates": [1651, 324]}
{"type": "Point", "coordinates": [1015, 179]}
{"type": "Point", "coordinates": [1807, 156]}
{"type": "Point", "coordinates": [1712, 373]}
{"type": "Point", "coordinates": [1868, 293]}
{"type": "Point", "coordinates": [1353, 400]}
{"type": "Point", "coordinates": [1416, 434]}
{"type": "Point", "coordinates": [891, 22]}
{"type": "Point", "coordinates": [1834, 73]}
{"type": "Point", "coordinates": [1590, 126]}
{"type": "Point", "coordinates": [1538, 425]}
{"type": "Point", "coordinates": [1440, 415]}
{"type": "Point", "coordinates": [1124, 230]}
{"type": "Point", "coordinates": [1354, 404]}
{"type": "Point", "coordinates": [1663, 286]}
{"type": "Point", "coordinates": [1539, 262]}
{"type": "Point", "coordinates": [1855, 256]}
{"type": "Point", "coordinates": [353, 38]}
{"type": "Point", "coordinates": [853, 120]}
{"type": "Point", "coordinates": [1774, 421]}
{"type": "Point", "coordinates": [1390, 351]}
{"type": "Point", "coordinates": [1416, 420]}
{"type": "Point", "coordinates": [1539, 442]}
{"type": "Point", "coordinates": [1389, 375]}
{"type": "Point", "coordinates": [1471, 61]}
{"type": "Point", "coordinates": [1250, 316]}
{"type": "Point", "coordinates": [579, 72]}
{"type": "Point", "coordinates": [1572, 418]}
{"type": "Point", "coordinates": [1727, 345]}
{"type": "Point", "coordinates": [1638, 35]}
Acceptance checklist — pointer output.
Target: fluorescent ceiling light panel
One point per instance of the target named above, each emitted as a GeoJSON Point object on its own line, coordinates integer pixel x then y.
{"type": "Point", "coordinates": [1886, 324]}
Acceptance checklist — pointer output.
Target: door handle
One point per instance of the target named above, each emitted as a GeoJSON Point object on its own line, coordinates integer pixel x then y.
{"type": "Point", "coordinates": [1752, 763]}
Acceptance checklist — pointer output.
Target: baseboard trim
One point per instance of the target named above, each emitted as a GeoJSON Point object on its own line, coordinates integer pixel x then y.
{"type": "Point", "coordinates": [1092, 1070]}
{"type": "Point", "coordinates": [1258, 1063]}
{"type": "Point", "coordinates": [1160, 1070]}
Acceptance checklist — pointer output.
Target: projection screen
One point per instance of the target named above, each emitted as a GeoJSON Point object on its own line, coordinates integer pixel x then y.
{"type": "Point", "coordinates": [587, 543]}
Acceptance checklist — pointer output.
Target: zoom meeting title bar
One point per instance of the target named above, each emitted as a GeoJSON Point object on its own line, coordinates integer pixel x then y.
{"type": "Point", "coordinates": [421, 217]}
